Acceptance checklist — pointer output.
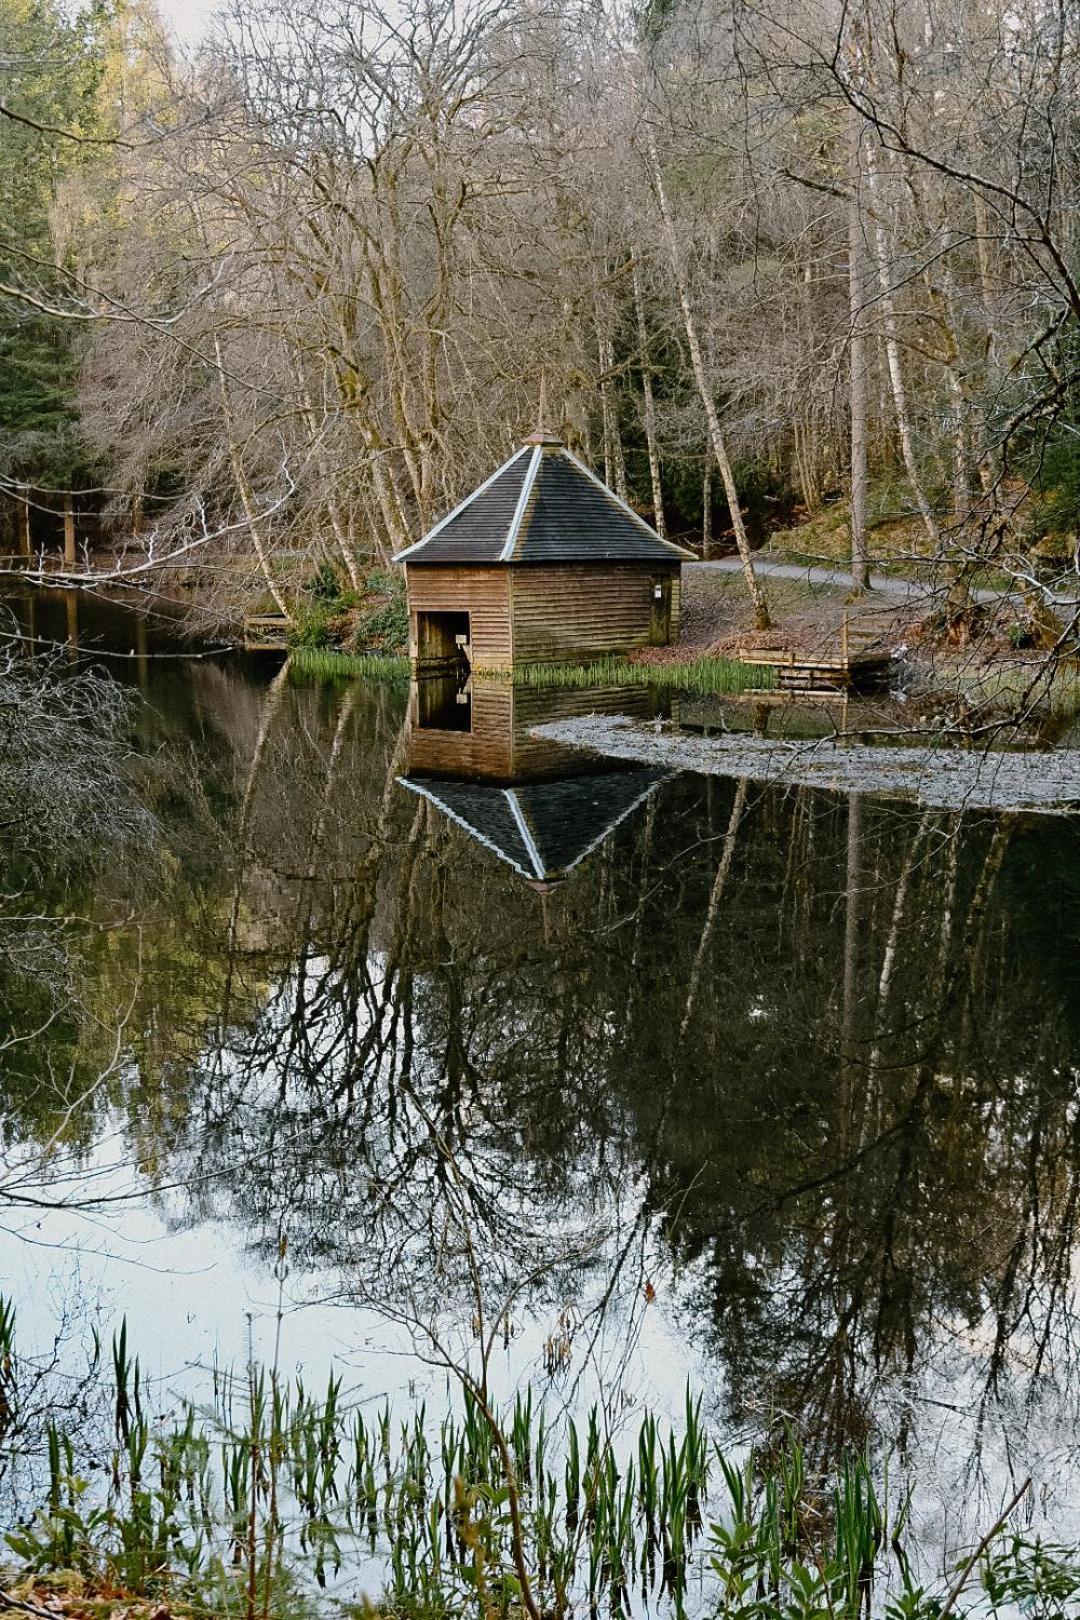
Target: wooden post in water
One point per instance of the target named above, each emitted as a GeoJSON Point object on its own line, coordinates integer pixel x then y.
{"type": "Point", "coordinates": [25, 550]}
{"type": "Point", "coordinates": [140, 651]}
{"type": "Point", "coordinates": [71, 604]}
{"type": "Point", "coordinates": [69, 530]}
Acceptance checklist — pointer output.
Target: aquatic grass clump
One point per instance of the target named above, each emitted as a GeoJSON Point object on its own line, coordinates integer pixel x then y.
{"type": "Point", "coordinates": [701, 675]}
{"type": "Point", "coordinates": [325, 664]}
{"type": "Point", "coordinates": [252, 1504]}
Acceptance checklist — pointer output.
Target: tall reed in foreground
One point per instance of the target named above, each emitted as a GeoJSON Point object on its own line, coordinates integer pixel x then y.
{"type": "Point", "coordinates": [261, 1503]}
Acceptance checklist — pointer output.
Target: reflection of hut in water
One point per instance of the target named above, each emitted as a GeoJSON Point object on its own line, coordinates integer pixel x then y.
{"type": "Point", "coordinates": [542, 829]}
{"type": "Point", "coordinates": [542, 562]}
{"type": "Point", "coordinates": [538, 805]}
{"type": "Point", "coordinates": [484, 728]}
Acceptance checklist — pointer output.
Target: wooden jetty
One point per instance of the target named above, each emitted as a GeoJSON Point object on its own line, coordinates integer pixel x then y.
{"type": "Point", "coordinates": [266, 632]}
{"type": "Point", "coordinates": [857, 659]}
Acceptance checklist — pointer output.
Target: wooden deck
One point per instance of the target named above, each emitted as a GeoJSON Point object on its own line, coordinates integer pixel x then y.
{"type": "Point", "coordinates": [266, 632]}
{"type": "Point", "coordinates": [857, 659]}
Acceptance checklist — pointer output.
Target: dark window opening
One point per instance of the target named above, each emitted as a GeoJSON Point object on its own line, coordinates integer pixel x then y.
{"type": "Point", "coordinates": [443, 639]}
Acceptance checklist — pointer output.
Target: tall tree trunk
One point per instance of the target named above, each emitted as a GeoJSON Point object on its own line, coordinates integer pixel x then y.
{"type": "Point", "coordinates": [247, 497]}
{"type": "Point", "coordinates": [892, 354]}
{"type": "Point", "coordinates": [69, 530]}
{"type": "Point", "coordinates": [25, 546]}
{"type": "Point", "coordinates": [614, 460]}
{"type": "Point", "coordinates": [650, 405]}
{"type": "Point", "coordinates": [307, 409]}
{"type": "Point", "coordinates": [762, 617]}
{"type": "Point", "coordinates": [860, 570]}
{"type": "Point", "coordinates": [706, 506]}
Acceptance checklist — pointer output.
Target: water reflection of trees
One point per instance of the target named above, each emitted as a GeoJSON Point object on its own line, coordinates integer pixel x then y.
{"type": "Point", "coordinates": [828, 1049]}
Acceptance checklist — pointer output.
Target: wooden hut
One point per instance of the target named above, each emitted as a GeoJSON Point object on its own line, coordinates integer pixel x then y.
{"type": "Point", "coordinates": [542, 563]}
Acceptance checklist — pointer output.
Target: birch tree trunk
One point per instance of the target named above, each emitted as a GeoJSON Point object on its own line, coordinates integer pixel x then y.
{"type": "Point", "coordinates": [762, 616]}
{"type": "Point", "coordinates": [892, 354]}
{"type": "Point", "coordinates": [243, 485]}
{"type": "Point", "coordinates": [860, 571]}
{"type": "Point", "coordinates": [649, 405]}
{"type": "Point", "coordinates": [614, 460]}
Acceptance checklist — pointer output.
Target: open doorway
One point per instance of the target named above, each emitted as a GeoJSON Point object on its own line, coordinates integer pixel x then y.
{"type": "Point", "coordinates": [443, 640]}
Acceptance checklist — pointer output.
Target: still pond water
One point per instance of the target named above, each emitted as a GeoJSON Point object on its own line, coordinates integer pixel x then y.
{"type": "Point", "coordinates": [770, 1090]}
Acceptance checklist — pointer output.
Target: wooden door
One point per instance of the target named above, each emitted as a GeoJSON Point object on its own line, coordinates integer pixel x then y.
{"type": "Point", "coordinates": [660, 620]}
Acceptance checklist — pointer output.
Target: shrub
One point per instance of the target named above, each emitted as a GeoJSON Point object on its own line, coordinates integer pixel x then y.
{"type": "Point", "coordinates": [313, 627]}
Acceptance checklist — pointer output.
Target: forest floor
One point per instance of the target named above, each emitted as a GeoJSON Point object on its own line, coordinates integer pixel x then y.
{"type": "Point", "coordinates": [808, 610]}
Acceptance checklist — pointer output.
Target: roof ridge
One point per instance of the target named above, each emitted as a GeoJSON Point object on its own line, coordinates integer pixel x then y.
{"type": "Point", "coordinates": [626, 508]}
{"type": "Point", "coordinates": [409, 551]}
{"type": "Point", "coordinates": [527, 485]}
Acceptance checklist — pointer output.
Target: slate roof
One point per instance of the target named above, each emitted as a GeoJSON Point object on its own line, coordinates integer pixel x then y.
{"type": "Point", "coordinates": [543, 505]}
{"type": "Point", "coordinates": [542, 829]}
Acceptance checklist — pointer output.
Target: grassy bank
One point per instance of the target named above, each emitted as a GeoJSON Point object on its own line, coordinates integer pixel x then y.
{"type": "Point", "coordinates": [702, 675]}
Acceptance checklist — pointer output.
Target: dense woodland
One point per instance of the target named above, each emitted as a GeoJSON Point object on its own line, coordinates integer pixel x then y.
{"type": "Point", "coordinates": [278, 304]}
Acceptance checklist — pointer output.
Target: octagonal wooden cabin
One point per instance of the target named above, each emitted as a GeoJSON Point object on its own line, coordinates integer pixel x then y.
{"type": "Point", "coordinates": [542, 563]}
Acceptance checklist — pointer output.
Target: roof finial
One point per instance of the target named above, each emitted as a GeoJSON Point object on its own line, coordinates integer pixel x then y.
{"type": "Point", "coordinates": [543, 434]}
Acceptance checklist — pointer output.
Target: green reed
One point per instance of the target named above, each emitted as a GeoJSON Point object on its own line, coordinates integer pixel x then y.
{"type": "Point", "coordinates": [325, 663]}
{"type": "Point", "coordinates": [250, 1505]}
{"type": "Point", "coordinates": [698, 675]}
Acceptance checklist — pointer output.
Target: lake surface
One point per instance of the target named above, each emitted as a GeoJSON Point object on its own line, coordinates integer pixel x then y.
{"type": "Point", "coordinates": [767, 1089]}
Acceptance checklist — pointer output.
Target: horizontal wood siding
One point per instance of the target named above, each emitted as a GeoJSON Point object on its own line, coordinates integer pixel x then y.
{"type": "Point", "coordinates": [483, 593]}
{"type": "Point", "coordinates": [539, 758]}
{"type": "Point", "coordinates": [580, 611]}
{"type": "Point", "coordinates": [485, 751]}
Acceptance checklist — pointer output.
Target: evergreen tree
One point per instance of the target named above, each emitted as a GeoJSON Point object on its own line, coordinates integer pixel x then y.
{"type": "Point", "coordinates": [50, 67]}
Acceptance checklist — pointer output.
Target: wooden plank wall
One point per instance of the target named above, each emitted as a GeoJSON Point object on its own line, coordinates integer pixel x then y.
{"type": "Point", "coordinates": [486, 751]}
{"type": "Point", "coordinates": [576, 611]}
{"type": "Point", "coordinates": [483, 593]}
{"type": "Point", "coordinates": [540, 614]}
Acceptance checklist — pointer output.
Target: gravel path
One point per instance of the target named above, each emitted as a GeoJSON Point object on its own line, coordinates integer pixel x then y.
{"type": "Point", "coordinates": [813, 574]}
